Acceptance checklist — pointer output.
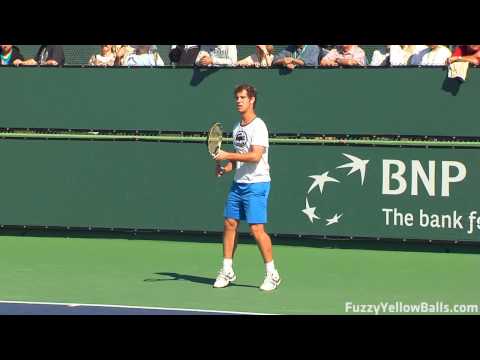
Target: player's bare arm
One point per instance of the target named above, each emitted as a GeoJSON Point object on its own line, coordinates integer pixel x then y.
{"type": "Point", "coordinates": [254, 155]}
{"type": "Point", "coordinates": [229, 166]}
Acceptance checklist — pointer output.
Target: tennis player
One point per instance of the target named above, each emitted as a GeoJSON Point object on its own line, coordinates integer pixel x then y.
{"type": "Point", "coordinates": [248, 196]}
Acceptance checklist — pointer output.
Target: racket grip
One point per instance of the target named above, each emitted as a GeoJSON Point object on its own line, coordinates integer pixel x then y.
{"type": "Point", "coordinates": [222, 172]}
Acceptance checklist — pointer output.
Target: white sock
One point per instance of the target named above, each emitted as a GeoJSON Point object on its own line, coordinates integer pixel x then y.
{"type": "Point", "coordinates": [228, 264]}
{"type": "Point", "coordinates": [270, 267]}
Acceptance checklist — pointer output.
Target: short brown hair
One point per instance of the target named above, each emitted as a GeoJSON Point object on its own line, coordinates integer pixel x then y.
{"type": "Point", "coordinates": [251, 91]}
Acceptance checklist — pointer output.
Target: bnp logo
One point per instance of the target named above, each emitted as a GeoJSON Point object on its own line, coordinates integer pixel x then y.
{"type": "Point", "coordinates": [356, 165]}
{"type": "Point", "coordinates": [396, 180]}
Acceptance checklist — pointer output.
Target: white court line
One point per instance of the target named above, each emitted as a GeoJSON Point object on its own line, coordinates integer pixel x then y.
{"type": "Point", "coordinates": [129, 307]}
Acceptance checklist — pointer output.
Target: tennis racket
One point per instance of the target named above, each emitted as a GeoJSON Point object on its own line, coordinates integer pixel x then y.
{"type": "Point", "coordinates": [214, 139]}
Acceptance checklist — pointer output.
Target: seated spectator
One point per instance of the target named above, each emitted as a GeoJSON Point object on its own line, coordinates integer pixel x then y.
{"type": "Point", "coordinates": [183, 55]}
{"type": "Point", "coordinates": [432, 55]}
{"type": "Point", "coordinates": [11, 55]}
{"type": "Point", "coordinates": [47, 55]}
{"type": "Point", "coordinates": [144, 55]}
{"type": "Point", "coordinates": [263, 57]}
{"type": "Point", "coordinates": [217, 55]}
{"type": "Point", "coordinates": [466, 53]}
{"type": "Point", "coordinates": [297, 55]}
{"type": "Point", "coordinates": [326, 47]}
{"type": "Point", "coordinates": [105, 58]}
{"type": "Point", "coordinates": [121, 53]}
{"type": "Point", "coordinates": [345, 55]}
{"type": "Point", "coordinates": [401, 55]}
{"type": "Point", "coordinates": [381, 57]}
{"type": "Point", "coordinates": [324, 50]}
{"type": "Point", "coordinates": [396, 55]}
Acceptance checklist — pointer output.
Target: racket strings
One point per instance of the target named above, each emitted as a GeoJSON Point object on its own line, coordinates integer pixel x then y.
{"type": "Point", "coordinates": [214, 139]}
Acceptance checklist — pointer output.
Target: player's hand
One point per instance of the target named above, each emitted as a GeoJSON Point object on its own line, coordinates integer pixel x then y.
{"type": "Point", "coordinates": [220, 155]}
{"type": "Point", "coordinates": [219, 170]}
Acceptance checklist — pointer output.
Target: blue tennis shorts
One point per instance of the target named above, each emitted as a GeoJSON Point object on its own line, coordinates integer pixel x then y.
{"type": "Point", "coordinates": [248, 202]}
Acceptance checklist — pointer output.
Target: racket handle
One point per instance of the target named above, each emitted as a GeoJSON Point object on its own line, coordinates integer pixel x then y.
{"type": "Point", "coordinates": [218, 165]}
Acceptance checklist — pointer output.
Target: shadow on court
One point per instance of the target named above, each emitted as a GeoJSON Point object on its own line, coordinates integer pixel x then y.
{"type": "Point", "coordinates": [171, 276]}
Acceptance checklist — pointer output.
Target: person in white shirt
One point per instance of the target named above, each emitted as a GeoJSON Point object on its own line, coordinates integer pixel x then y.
{"type": "Point", "coordinates": [262, 57]}
{"type": "Point", "coordinates": [432, 55]}
{"type": "Point", "coordinates": [121, 53]}
{"type": "Point", "coordinates": [401, 55]}
{"type": "Point", "coordinates": [217, 55]}
{"type": "Point", "coordinates": [381, 57]}
{"type": "Point", "coordinates": [395, 55]}
{"type": "Point", "coordinates": [144, 55]}
{"type": "Point", "coordinates": [248, 196]}
{"type": "Point", "coordinates": [105, 58]}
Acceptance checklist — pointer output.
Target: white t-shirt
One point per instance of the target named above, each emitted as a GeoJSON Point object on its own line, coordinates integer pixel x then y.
{"type": "Point", "coordinates": [253, 60]}
{"type": "Point", "coordinates": [255, 133]}
{"type": "Point", "coordinates": [437, 56]}
{"type": "Point", "coordinates": [99, 59]}
{"type": "Point", "coordinates": [149, 59]}
{"type": "Point", "coordinates": [402, 56]}
{"type": "Point", "coordinates": [221, 55]}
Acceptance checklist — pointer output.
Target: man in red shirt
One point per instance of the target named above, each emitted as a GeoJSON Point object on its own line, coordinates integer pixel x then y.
{"type": "Point", "coordinates": [468, 53]}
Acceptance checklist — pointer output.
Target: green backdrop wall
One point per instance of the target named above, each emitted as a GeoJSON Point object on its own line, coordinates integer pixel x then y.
{"type": "Point", "coordinates": [307, 101]}
{"type": "Point", "coordinates": [157, 185]}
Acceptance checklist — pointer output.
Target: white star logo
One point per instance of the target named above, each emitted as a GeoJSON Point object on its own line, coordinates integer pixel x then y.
{"type": "Point", "coordinates": [310, 211]}
{"type": "Point", "coordinates": [320, 180]}
{"type": "Point", "coordinates": [334, 220]}
{"type": "Point", "coordinates": [356, 165]}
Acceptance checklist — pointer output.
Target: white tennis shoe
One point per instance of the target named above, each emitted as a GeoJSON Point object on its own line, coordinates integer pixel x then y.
{"type": "Point", "coordinates": [271, 282]}
{"type": "Point", "coordinates": [224, 278]}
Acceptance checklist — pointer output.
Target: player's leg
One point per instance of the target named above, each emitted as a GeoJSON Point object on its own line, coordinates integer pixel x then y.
{"type": "Point", "coordinates": [256, 201]}
{"type": "Point", "coordinates": [263, 240]}
{"type": "Point", "coordinates": [230, 237]}
{"type": "Point", "coordinates": [233, 214]}
{"type": "Point", "coordinates": [230, 234]}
